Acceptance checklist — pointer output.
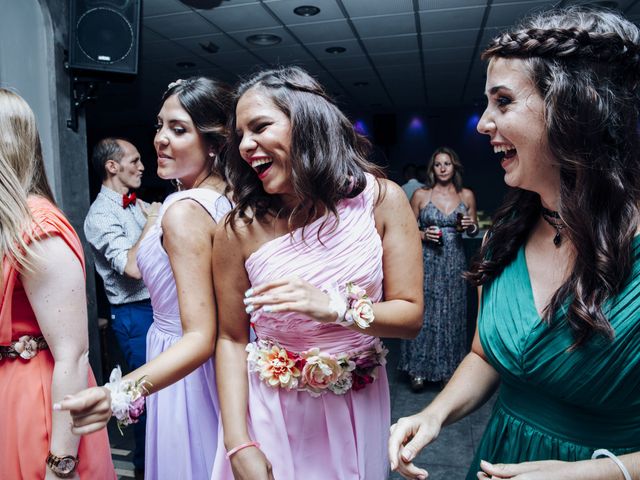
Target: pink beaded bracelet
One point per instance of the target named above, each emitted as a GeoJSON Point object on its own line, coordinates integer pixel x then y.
{"type": "Point", "coordinates": [241, 446]}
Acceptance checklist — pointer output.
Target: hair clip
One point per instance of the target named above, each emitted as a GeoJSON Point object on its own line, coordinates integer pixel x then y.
{"type": "Point", "coordinates": [175, 84]}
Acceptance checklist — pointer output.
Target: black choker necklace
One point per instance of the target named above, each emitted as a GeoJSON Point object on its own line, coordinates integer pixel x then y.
{"type": "Point", "coordinates": [553, 219]}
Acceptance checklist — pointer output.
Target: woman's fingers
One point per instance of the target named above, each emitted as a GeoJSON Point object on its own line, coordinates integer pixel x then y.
{"type": "Point", "coordinates": [86, 402]}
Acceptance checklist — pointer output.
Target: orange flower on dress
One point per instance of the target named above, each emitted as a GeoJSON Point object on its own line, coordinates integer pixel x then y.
{"type": "Point", "coordinates": [274, 365]}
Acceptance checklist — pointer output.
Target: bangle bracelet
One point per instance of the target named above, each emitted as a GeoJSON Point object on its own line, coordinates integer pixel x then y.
{"type": "Point", "coordinates": [472, 232]}
{"type": "Point", "coordinates": [241, 446]}
{"type": "Point", "coordinates": [606, 453]}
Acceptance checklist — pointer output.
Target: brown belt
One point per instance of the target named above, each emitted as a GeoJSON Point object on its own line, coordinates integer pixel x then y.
{"type": "Point", "coordinates": [25, 347]}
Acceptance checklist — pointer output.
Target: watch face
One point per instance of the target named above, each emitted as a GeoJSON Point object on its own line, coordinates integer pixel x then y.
{"type": "Point", "coordinates": [66, 465]}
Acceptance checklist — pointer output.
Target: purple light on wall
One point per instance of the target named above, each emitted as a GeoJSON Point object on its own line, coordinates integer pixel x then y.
{"type": "Point", "coordinates": [473, 122]}
{"type": "Point", "coordinates": [361, 127]}
{"type": "Point", "coordinates": [416, 125]}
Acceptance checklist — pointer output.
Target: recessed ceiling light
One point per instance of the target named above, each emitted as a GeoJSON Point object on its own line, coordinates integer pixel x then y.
{"type": "Point", "coordinates": [209, 47]}
{"type": "Point", "coordinates": [185, 65]}
{"type": "Point", "coordinates": [360, 84]}
{"type": "Point", "coordinates": [335, 50]}
{"type": "Point", "coordinates": [306, 10]}
{"type": "Point", "coordinates": [263, 39]}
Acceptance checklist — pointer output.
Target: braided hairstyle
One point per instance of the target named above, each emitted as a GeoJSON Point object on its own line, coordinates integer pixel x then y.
{"type": "Point", "coordinates": [585, 64]}
{"type": "Point", "coordinates": [328, 157]}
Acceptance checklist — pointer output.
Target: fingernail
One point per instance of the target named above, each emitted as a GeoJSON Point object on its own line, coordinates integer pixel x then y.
{"type": "Point", "coordinates": [267, 308]}
{"type": "Point", "coordinates": [485, 463]}
{"type": "Point", "coordinates": [407, 454]}
{"type": "Point", "coordinates": [250, 309]}
{"type": "Point", "coordinates": [57, 406]}
{"type": "Point", "coordinates": [247, 301]}
{"type": "Point", "coordinates": [422, 476]}
{"type": "Point", "coordinates": [249, 293]}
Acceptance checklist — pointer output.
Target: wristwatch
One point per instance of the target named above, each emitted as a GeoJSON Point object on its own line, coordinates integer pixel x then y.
{"type": "Point", "coordinates": [63, 467]}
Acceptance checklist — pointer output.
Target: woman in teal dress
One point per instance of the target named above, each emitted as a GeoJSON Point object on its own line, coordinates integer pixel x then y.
{"type": "Point", "coordinates": [559, 325]}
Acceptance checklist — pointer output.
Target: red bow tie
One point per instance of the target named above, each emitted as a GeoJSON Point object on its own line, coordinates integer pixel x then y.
{"type": "Point", "coordinates": [128, 199]}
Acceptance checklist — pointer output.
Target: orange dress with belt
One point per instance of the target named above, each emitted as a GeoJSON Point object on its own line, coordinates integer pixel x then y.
{"type": "Point", "coordinates": [25, 385]}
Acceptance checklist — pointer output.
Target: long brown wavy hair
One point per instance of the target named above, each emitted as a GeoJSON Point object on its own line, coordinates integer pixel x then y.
{"type": "Point", "coordinates": [328, 157]}
{"type": "Point", "coordinates": [585, 64]}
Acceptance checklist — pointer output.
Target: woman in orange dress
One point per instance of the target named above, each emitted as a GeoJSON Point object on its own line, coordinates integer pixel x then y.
{"type": "Point", "coordinates": [43, 317]}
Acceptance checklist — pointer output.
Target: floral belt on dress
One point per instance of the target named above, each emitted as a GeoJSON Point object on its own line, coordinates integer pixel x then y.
{"type": "Point", "coordinates": [315, 371]}
{"type": "Point", "coordinates": [25, 347]}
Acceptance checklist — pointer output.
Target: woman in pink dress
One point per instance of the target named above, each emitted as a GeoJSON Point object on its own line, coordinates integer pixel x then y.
{"type": "Point", "coordinates": [175, 261]}
{"type": "Point", "coordinates": [326, 257]}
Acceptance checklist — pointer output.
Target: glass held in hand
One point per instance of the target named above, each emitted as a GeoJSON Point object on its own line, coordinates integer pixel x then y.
{"type": "Point", "coordinates": [459, 217]}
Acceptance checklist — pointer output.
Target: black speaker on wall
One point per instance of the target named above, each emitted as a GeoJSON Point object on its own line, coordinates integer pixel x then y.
{"type": "Point", "coordinates": [104, 35]}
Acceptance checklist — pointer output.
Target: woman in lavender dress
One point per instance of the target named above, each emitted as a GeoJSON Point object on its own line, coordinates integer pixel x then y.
{"type": "Point", "coordinates": [175, 261]}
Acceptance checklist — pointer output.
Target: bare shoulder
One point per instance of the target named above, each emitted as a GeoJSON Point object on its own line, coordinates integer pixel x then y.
{"type": "Point", "coordinates": [186, 218]}
{"type": "Point", "coordinates": [389, 192]}
{"type": "Point", "coordinates": [421, 193]}
{"type": "Point", "coordinates": [467, 193]}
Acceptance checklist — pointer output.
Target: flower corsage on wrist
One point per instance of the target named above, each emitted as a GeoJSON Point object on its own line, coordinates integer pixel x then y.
{"type": "Point", "coordinates": [354, 307]}
{"type": "Point", "coordinates": [127, 398]}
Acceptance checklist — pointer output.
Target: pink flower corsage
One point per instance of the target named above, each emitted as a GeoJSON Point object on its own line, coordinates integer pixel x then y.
{"type": "Point", "coordinates": [353, 307]}
{"type": "Point", "coordinates": [127, 398]}
{"type": "Point", "coordinates": [315, 371]}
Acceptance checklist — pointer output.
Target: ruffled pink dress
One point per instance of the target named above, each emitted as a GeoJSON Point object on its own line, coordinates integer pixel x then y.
{"type": "Point", "coordinates": [329, 436]}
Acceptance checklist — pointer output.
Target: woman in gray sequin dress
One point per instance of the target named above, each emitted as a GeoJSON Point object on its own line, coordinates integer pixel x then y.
{"type": "Point", "coordinates": [436, 352]}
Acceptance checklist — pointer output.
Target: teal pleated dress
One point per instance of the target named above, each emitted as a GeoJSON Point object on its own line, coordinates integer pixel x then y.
{"type": "Point", "coordinates": [555, 404]}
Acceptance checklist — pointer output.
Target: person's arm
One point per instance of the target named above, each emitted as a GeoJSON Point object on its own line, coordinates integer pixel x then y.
{"type": "Point", "coordinates": [418, 200]}
{"type": "Point", "coordinates": [107, 235]}
{"type": "Point", "coordinates": [231, 282]}
{"type": "Point", "coordinates": [470, 220]}
{"type": "Point", "coordinates": [151, 212]}
{"type": "Point", "coordinates": [188, 233]}
{"type": "Point", "coordinates": [473, 382]}
{"type": "Point", "coordinates": [400, 312]}
{"type": "Point", "coordinates": [598, 469]}
{"type": "Point", "coordinates": [55, 288]}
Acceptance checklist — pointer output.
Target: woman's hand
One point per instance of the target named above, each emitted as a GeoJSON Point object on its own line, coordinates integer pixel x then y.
{"type": "Point", "coordinates": [291, 294]}
{"type": "Point", "coordinates": [408, 436]}
{"type": "Point", "coordinates": [467, 222]}
{"type": "Point", "coordinates": [432, 234]}
{"type": "Point", "coordinates": [90, 409]}
{"type": "Point", "coordinates": [251, 464]}
{"type": "Point", "coordinates": [541, 470]}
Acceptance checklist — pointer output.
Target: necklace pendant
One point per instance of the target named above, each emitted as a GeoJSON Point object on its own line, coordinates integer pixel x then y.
{"type": "Point", "coordinates": [557, 239]}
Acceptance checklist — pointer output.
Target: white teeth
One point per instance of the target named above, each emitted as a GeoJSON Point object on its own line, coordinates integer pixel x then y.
{"type": "Point", "coordinates": [502, 148]}
{"type": "Point", "coordinates": [260, 161]}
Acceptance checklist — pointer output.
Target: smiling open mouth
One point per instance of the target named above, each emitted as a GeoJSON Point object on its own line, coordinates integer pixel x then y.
{"type": "Point", "coordinates": [508, 150]}
{"type": "Point", "coordinates": [261, 165]}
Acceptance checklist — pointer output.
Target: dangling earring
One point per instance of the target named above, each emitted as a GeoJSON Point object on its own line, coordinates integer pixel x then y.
{"type": "Point", "coordinates": [177, 183]}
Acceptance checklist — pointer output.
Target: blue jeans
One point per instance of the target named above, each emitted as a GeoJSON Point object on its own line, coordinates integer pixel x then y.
{"type": "Point", "coordinates": [130, 323]}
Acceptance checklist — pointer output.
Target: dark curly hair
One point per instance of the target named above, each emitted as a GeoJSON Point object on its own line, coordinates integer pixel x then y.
{"type": "Point", "coordinates": [328, 157]}
{"type": "Point", "coordinates": [585, 63]}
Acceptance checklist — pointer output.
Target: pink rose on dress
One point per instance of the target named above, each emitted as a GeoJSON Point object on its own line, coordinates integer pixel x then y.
{"type": "Point", "coordinates": [361, 313]}
{"type": "Point", "coordinates": [26, 347]}
{"type": "Point", "coordinates": [320, 370]}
